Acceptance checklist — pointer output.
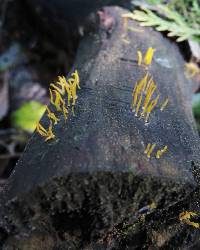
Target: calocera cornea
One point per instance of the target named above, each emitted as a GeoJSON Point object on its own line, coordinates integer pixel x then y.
{"type": "Point", "coordinates": [57, 92]}
{"type": "Point", "coordinates": [48, 134]}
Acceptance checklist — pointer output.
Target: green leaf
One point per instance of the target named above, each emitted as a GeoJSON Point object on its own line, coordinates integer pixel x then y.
{"type": "Point", "coordinates": [168, 20]}
{"type": "Point", "coordinates": [27, 115]}
{"type": "Point", "coordinates": [196, 105]}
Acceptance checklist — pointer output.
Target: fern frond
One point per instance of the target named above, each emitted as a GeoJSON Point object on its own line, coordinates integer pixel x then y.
{"type": "Point", "coordinates": [172, 22]}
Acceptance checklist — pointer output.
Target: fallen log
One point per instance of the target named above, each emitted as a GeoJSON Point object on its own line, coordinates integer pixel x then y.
{"type": "Point", "coordinates": [92, 186]}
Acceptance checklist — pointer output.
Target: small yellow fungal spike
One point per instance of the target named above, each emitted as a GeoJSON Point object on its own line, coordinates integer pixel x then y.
{"type": "Point", "coordinates": [138, 105]}
{"type": "Point", "coordinates": [139, 53]}
{"type": "Point", "coordinates": [164, 149]}
{"type": "Point", "coordinates": [149, 83]}
{"type": "Point", "coordinates": [161, 152]}
{"type": "Point", "coordinates": [76, 79]}
{"type": "Point", "coordinates": [73, 111]}
{"type": "Point", "coordinates": [52, 116]}
{"type": "Point", "coordinates": [149, 56]}
{"type": "Point", "coordinates": [152, 205]}
{"type": "Point", "coordinates": [163, 106]}
{"type": "Point", "coordinates": [151, 150]}
{"type": "Point", "coordinates": [185, 217]}
{"type": "Point", "coordinates": [191, 70]}
{"type": "Point", "coordinates": [73, 93]}
{"type": "Point", "coordinates": [58, 99]}
{"type": "Point", "coordinates": [158, 154]}
{"type": "Point", "coordinates": [191, 223]}
{"type": "Point", "coordinates": [151, 89]}
{"type": "Point", "coordinates": [143, 82]}
{"type": "Point", "coordinates": [41, 130]}
{"type": "Point", "coordinates": [65, 111]}
{"type": "Point", "coordinates": [50, 134]}
{"type": "Point", "coordinates": [135, 97]}
{"type": "Point", "coordinates": [151, 107]}
{"type": "Point", "coordinates": [147, 148]}
{"type": "Point", "coordinates": [138, 89]}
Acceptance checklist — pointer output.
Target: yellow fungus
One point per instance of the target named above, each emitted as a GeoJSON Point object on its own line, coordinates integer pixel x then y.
{"type": "Point", "coordinates": [52, 116]}
{"type": "Point", "coordinates": [43, 132]}
{"type": "Point", "coordinates": [143, 82]}
{"type": "Point", "coordinates": [163, 106]}
{"type": "Point", "coordinates": [58, 99]}
{"type": "Point", "coordinates": [138, 105]}
{"type": "Point", "coordinates": [152, 205]}
{"type": "Point", "coordinates": [186, 216]}
{"type": "Point", "coordinates": [149, 56]}
{"type": "Point", "coordinates": [135, 97]}
{"type": "Point", "coordinates": [151, 150]}
{"type": "Point", "coordinates": [147, 148]}
{"type": "Point", "coordinates": [73, 111]}
{"type": "Point", "coordinates": [73, 93]}
{"type": "Point", "coordinates": [50, 134]}
{"type": "Point", "coordinates": [40, 129]}
{"type": "Point", "coordinates": [151, 107]}
{"type": "Point", "coordinates": [158, 154]}
{"type": "Point", "coordinates": [149, 83]}
{"type": "Point", "coordinates": [62, 86]}
{"type": "Point", "coordinates": [76, 79]}
{"type": "Point", "coordinates": [65, 111]}
{"type": "Point", "coordinates": [139, 53]}
{"type": "Point", "coordinates": [191, 223]}
{"type": "Point", "coordinates": [164, 149]}
{"type": "Point", "coordinates": [138, 88]}
{"type": "Point", "coordinates": [149, 92]}
{"type": "Point", "coordinates": [161, 152]}
{"type": "Point", "coordinates": [191, 70]}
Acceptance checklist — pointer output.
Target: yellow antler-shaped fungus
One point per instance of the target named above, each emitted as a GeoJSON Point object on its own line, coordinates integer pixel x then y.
{"type": "Point", "coordinates": [163, 106]}
{"type": "Point", "coordinates": [185, 217]}
{"type": "Point", "coordinates": [151, 107]}
{"type": "Point", "coordinates": [149, 149]}
{"type": "Point", "coordinates": [43, 132]}
{"type": "Point", "coordinates": [149, 56]}
{"type": "Point", "coordinates": [160, 152]}
{"type": "Point", "coordinates": [139, 53]}
{"type": "Point", "coordinates": [52, 116]}
{"type": "Point", "coordinates": [58, 99]}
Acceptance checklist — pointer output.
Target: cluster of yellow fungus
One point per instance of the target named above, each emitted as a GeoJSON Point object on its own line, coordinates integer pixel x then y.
{"type": "Point", "coordinates": [45, 133]}
{"type": "Point", "coordinates": [186, 216]}
{"type": "Point", "coordinates": [143, 100]}
{"type": "Point", "coordinates": [191, 70]}
{"type": "Point", "coordinates": [145, 97]}
{"type": "Point", "coordinates": [147, 58]}
{"type": "Point", "coordinates": [150, 148]}
{"type": "Point", "coordinates": [57, 93]}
